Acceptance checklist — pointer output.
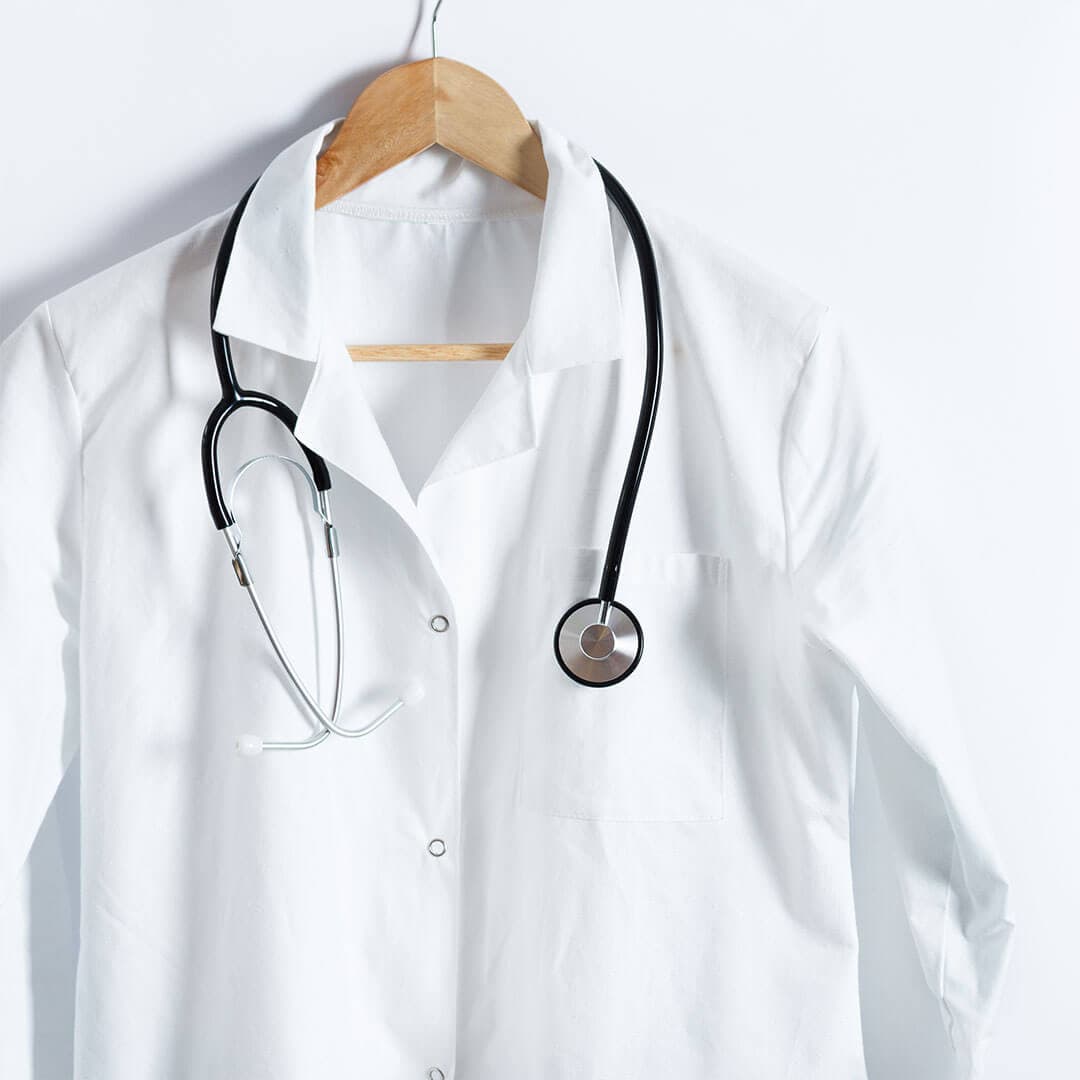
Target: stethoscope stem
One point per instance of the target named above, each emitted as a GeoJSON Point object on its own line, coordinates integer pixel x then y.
{"type": "Point", "coordinates": [250, 745]}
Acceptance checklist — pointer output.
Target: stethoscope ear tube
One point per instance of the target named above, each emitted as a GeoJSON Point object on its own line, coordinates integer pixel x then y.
{"type": "Point", "coordinates": [219, 509]}
{"type": "Point", "coordinates": [233, 396]}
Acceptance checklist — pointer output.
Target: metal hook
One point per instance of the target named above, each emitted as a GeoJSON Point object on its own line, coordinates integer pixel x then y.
{"type": "Point", "coordinates": [434, 16]}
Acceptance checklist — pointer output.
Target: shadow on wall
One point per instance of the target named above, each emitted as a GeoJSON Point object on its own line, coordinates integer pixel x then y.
{"type": "Point", "coordinates": [184, 203]}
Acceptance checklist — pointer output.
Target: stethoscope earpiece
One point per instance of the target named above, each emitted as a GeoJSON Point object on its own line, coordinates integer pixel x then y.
{"type": "Point", "coordinates": [598, 642]}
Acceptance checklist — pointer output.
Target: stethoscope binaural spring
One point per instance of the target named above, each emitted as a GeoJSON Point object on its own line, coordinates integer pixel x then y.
{"type": "Point", "coordinates": [598, 641]}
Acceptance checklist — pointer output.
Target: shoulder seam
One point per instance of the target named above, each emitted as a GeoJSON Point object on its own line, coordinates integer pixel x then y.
{"type": "Point", "coordinates": [789, 412]}
{"type": "Point", "coordinates": [56, 338]}
{"type": "Point", "coordinates": [67, 376]}
{"type": "Point", "coordinates": [825, 311]}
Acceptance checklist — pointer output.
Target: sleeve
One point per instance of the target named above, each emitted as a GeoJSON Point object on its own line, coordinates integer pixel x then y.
{"type": "Point", "coordinates": [40, 526]}
{"type": "Point", "coordinates": [864, 605]}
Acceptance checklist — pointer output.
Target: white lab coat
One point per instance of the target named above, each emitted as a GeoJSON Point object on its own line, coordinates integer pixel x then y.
{"type": "Point", "coordinates": [645, 881]}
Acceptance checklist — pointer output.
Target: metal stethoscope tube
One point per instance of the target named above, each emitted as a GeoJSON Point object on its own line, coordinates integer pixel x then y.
{"type": "Point", "coordinates": [249, 745]}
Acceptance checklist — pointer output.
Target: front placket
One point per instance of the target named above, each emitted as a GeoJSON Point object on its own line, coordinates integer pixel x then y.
{"type": "Point", "coordinates": [336, 421]}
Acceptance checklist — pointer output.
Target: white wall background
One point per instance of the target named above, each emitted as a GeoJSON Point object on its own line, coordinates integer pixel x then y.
{"type": "Point", "coordinates": [916, 165]}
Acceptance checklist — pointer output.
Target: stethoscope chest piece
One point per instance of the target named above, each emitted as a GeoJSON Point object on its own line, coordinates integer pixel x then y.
{"type": "Point", "coordinates": [598, 643]}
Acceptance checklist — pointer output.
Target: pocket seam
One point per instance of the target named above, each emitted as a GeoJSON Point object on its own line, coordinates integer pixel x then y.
{"type": "Point", "coordinates": [638, 567]}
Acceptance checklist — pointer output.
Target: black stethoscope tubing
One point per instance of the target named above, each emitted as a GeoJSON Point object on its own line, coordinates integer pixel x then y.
{"type": "Point", "coordinates": [650, 397]}
{"type": "Point", "coordinates": [235, 397]}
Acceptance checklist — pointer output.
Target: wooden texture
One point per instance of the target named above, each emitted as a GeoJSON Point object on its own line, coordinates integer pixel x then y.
{"type": "Point", "coordinates": [426, 103]}
{"type": "Point", "coordinates": [484, 350]}
{"type": "Point", "coordinates": [404, 111]}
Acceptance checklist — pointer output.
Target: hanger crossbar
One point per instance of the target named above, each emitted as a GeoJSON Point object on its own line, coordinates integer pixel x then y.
{"type": "Point", "coordinates": [481, 350]}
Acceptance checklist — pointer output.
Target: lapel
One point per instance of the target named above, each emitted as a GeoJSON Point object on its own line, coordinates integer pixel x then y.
{"type": "Point", "coordinates": [270, 296]}
{"type": "Point", "coordinates": [500, 425]}
{"type": "Point", "coordinates": [336, 421]}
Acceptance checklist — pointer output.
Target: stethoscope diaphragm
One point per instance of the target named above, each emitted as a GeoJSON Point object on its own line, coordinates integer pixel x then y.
{"type": "Point", "coordinates": [598, 643]}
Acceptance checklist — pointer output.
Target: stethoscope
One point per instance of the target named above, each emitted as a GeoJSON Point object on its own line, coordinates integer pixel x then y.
{"type": "Point", "coordinates": [598, 641]}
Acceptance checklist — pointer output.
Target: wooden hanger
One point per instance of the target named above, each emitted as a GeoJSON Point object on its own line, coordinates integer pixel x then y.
{"type": "Point", "coordinates": [436, 102]}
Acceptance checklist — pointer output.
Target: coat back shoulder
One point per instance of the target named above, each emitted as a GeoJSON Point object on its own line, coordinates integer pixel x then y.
{"type": "Point", "coordinates": [714, 292]}
{"type": "Point", "coordinates": [119, 315]}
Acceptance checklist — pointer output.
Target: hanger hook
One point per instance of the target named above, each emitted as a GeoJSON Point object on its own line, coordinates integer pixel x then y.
{"type": "Point", "coordinates": [434, 43]}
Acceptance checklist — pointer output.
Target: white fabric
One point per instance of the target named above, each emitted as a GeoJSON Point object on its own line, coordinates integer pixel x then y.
{"type": "Point", "coordinates": [645, 881]}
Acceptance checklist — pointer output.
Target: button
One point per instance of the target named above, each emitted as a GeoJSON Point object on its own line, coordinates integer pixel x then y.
{"type": "Point", "coordinates": [436, 1073]}
{"type": "Point", "coordinates": [439, 623]}
{"type": "Point", "coordinates": [437, 847]}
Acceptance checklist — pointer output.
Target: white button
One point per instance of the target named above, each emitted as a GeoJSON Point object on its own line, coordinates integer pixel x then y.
{"type": "Point", "coordinates": [435, 1073]}
{"type": "Point", "coordinates": [439, 623]}
{"type": "Point", "coordinates": [437, 847]}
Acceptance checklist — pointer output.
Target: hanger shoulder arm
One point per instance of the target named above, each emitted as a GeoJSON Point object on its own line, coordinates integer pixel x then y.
{"type": "Point", "coordinates": [391, 120]}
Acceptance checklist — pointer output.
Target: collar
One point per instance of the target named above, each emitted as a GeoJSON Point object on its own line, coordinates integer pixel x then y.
{"type": "Point", "coordinates": [270, 293]}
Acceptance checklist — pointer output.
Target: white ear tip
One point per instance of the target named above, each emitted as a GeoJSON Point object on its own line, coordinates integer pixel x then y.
{"type": "Point", "coordinates": [249, 745]}
{"type": "Point", "coordinates": [413, 692]}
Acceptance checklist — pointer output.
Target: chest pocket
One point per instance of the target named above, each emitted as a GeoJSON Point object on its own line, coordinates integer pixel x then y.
{"type": "Point", "coordinates": [650, 748]}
